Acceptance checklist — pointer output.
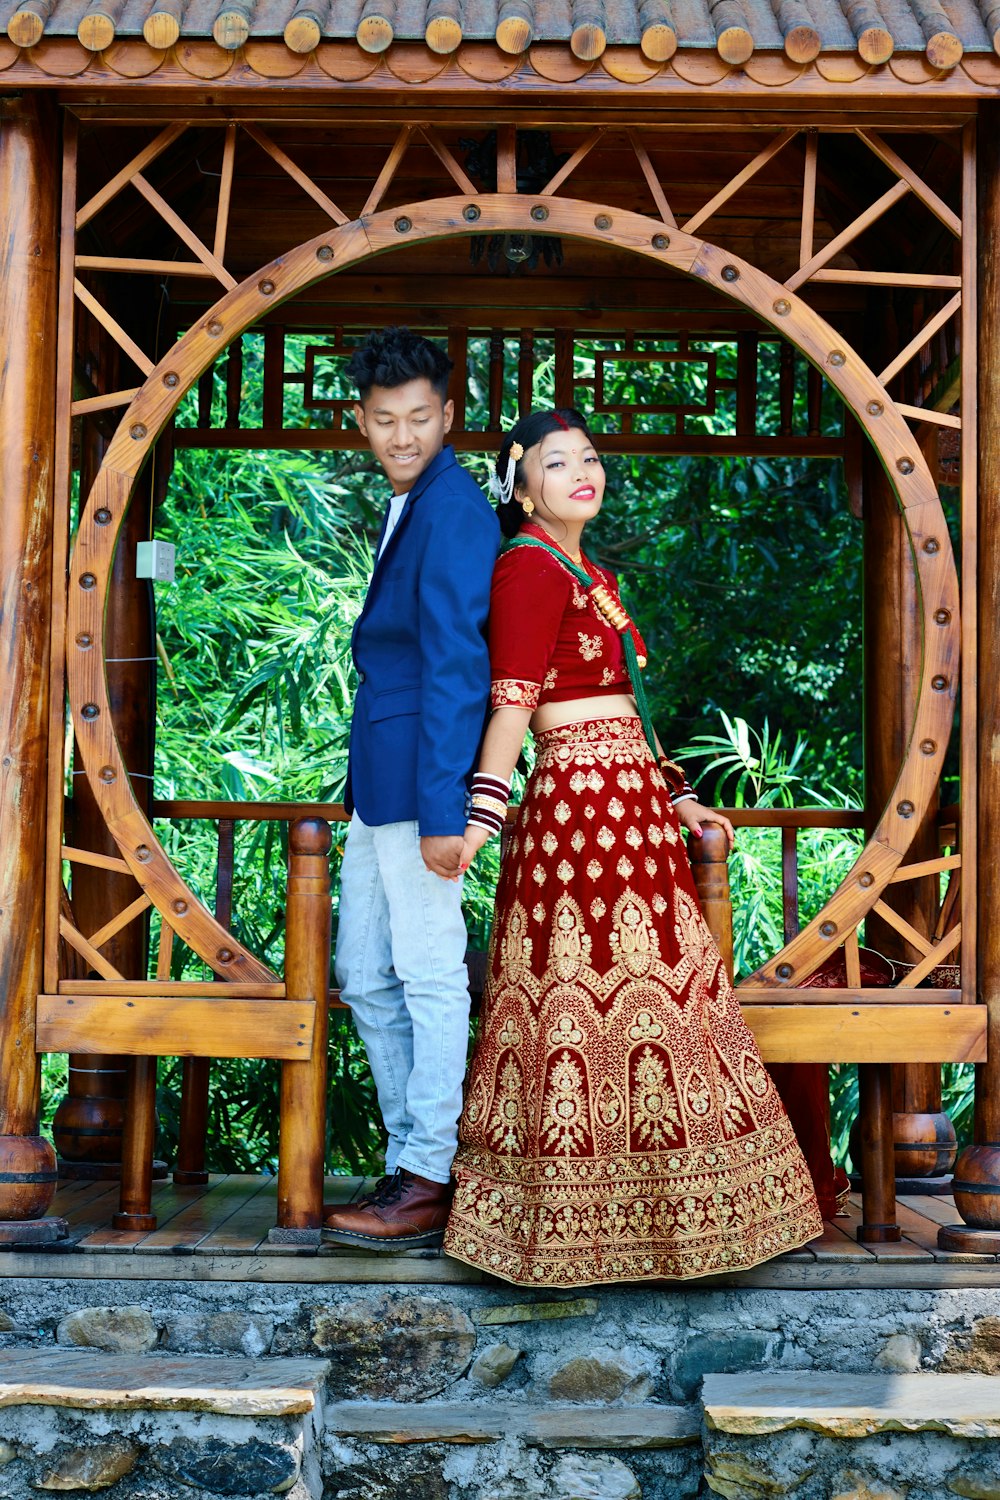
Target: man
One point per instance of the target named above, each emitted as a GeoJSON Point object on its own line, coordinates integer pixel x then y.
{"type": "Point", "coordinates": [423, 693]}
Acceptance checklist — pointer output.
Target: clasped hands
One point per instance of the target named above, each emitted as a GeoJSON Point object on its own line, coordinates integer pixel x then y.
{"type": "Point", "coordinates": [451, 855]}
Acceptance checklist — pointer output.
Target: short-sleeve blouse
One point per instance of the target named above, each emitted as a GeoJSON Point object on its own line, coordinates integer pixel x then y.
{"type": "Point", "coordinates": [548, 640]}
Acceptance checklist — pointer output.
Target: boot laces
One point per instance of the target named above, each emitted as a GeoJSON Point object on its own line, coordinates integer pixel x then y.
{"type": "Point", "coordinates": [388, 1190]}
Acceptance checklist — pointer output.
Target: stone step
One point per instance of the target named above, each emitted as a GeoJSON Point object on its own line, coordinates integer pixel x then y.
{"type": "Point", "coordinates": [820, 1434]}
{"type": "Point", "coordinates": [161, 1382]}
{"type": "Point", "coordinates": [160, 1425]}
{"type": "Point", "coordinates": [537, 1425]}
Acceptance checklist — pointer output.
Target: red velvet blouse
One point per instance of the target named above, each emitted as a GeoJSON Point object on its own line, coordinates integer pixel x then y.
{"type": "Point", "coordinates": [548, 640]}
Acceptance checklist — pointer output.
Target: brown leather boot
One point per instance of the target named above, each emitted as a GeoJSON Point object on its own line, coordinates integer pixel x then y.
{"type": "Point", "coordinates": [406, 1212]}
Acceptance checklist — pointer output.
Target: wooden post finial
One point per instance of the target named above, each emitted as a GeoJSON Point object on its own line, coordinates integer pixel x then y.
{"type": "Point", "coordinates": [515, 26]}
{"type": "Point", "coordinates": [376, 28]}
{"type": "Point", "coordinates": [310, 836]}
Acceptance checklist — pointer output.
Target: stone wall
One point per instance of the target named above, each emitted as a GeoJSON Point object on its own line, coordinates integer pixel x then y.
{"type": "Point", "coordinates": [471, 1342]}
{"type": "Point", "coordinates": [500, 1358]}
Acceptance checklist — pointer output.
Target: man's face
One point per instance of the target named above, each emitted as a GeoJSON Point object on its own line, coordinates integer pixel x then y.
{"type": "Point", "coordinates": [406, 426]}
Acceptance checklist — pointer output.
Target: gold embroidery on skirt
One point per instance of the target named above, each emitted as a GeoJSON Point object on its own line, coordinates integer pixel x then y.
{"type": "Point", "coordinates": [619, 1122]}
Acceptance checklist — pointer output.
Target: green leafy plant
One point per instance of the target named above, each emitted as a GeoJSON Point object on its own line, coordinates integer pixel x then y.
{"type": "Point", "coordinates": [739, 572]}
{"type": "Point", "coordinates": [758, 768]}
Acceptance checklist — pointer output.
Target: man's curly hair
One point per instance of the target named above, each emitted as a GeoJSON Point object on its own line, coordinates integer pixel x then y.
{"type": "Point", "coordinates": [390, 357]}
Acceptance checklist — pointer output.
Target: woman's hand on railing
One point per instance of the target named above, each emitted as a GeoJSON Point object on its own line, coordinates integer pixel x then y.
{"type": "Point", "coordinates": [693, 815]}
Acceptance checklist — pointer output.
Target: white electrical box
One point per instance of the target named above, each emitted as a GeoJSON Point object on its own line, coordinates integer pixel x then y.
{"type": "Point", "coordinates": [155, 560]}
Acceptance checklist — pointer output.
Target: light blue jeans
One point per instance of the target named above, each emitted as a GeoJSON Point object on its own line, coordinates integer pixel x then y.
{"type": "Point", "coordinates": [400, 966]}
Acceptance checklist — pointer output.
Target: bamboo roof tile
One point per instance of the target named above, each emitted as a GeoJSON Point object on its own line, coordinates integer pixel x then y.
{"type": "Point", "coordinates": [874, 30]}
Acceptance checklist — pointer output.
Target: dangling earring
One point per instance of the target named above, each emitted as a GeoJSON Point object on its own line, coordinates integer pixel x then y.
{"type": "Point", "coordinates": [528, 506]}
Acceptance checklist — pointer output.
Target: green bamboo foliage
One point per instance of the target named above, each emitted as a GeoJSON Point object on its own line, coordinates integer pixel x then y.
{"type": "Point", "coordinates": [743, 574]}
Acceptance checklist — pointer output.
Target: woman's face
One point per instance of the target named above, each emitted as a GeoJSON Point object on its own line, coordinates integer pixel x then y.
{"type": "Point", "coordinates": [564, 478]}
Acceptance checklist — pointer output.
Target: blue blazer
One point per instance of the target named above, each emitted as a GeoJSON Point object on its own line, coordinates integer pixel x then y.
{"type": "Point", "coordinates": [421, 654]}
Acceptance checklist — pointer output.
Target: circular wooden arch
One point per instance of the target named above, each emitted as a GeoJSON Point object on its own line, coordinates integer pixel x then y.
{"type": "Point", "coordinates": [500, 213]}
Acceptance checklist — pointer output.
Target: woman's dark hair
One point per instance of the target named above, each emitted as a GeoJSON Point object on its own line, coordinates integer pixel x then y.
{"type": "Point", "coordinates": [529, 431]}
{"type": "Point", "coordinates": [389, 357]}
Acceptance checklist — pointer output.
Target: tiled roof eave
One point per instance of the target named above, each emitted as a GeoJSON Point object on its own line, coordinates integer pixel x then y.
{"type": "Point", "coordinates": [734, 31]}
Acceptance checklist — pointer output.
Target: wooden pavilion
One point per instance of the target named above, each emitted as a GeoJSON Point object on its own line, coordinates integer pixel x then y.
{"type": "Point", "coordinates": [816, 180]}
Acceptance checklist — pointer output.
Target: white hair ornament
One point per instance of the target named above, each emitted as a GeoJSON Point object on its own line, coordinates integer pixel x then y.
{"type": "Point", "coordinates": [502, 490]}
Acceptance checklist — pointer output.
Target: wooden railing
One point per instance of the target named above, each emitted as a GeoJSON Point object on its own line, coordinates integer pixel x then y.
{"type": "Point", "coordinates": [307, 971]}
{"type": "Point", "coordinates": [856, 1032]}
{"type": "Point", "coordinates": [200, 1019]}
{"type": "Point", "coordinates": [807, 1024]}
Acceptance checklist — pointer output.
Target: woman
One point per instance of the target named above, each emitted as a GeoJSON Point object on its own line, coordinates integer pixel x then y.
{"type": "Point", "coordinates": [618, 1122]}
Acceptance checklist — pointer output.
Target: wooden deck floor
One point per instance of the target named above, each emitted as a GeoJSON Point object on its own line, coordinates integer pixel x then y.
{"type": "Point", "coordinates": [219, 1233]}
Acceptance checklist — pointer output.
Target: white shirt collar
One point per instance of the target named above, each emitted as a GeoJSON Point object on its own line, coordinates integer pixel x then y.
{"type": "Point", "coordinates": [395, 511]}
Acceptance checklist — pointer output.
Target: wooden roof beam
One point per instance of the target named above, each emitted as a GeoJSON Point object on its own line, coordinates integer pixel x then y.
{"type": "Point", "coordinates": [802, 40]}
{"type": "Point", "coordinates": [874, 39]}
{"type": "Point", "coordinates": [443, 26]}
{"type": "Point", "coordinates": [733, 39]}
{"type": "Point", "coordinates": [695, 222]}
{"type": "Point", "coordinates": [922, 337]}
{"type": "Point", "coordinates": [923, 191]}
{"type": "Point", "coordinates": [121, 179]}
{"type": "Point", "coordinates": [117, 332]}
{"type": "Point", "coordinates": [943, 47]}
{"type": "Point", "coordinates": [98, 26]}
{"type": "Point", "coordinates": [27, 24]}
{"type": "Point", "coordinates": [990, 12]}
{"type": "Point", "coordinates": [388, 171]}
{"type": "Point", "coordinates": [304, 181]}
{"type": "Point", "coordinates": [305, 26]}
{"type": "Point", "coordinates": [589, 36]}
{"type": "Point", "coordinates": [162, 27]}
{"type": "Point", "coordinates": [659, 34]}
{"type": "Point", "coordinates": [376, 28]}
{"type": "Point", "coordinates": [233, 20]}
{"type": "Point", "coordinates": [515, 26]}
{"type": "Point", "coordinates": [844, 238]}
{"type": "Point", "coordinates": [663, 208]}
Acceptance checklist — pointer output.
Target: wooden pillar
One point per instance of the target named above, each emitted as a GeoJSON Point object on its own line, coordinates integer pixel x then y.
{"type": "Point", "coordinates": [88, 1124]}
{"type": "Point", "coordinates": [977, 1170]}
{"type": "Point", "coordinates": [710, 868]}
{"type": "Point", "coordinates": [302, 1145]}
{"type": "Point", "coordinates": [29, 202]}
{"type": "Point", "coordinates": [878, 1189]}
{"type": "Point", "coordinates": [192, 1128]}
{"type": "Point", "coordinates": [924, 1139]}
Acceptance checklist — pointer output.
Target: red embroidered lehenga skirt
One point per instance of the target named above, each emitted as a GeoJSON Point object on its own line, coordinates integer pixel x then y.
{"type": "Point", "coordinates": [619, 1124]}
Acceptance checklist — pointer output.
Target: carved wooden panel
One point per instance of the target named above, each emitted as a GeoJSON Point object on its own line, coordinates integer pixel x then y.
{"type": "Point", "coordinates": [782, 311]}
